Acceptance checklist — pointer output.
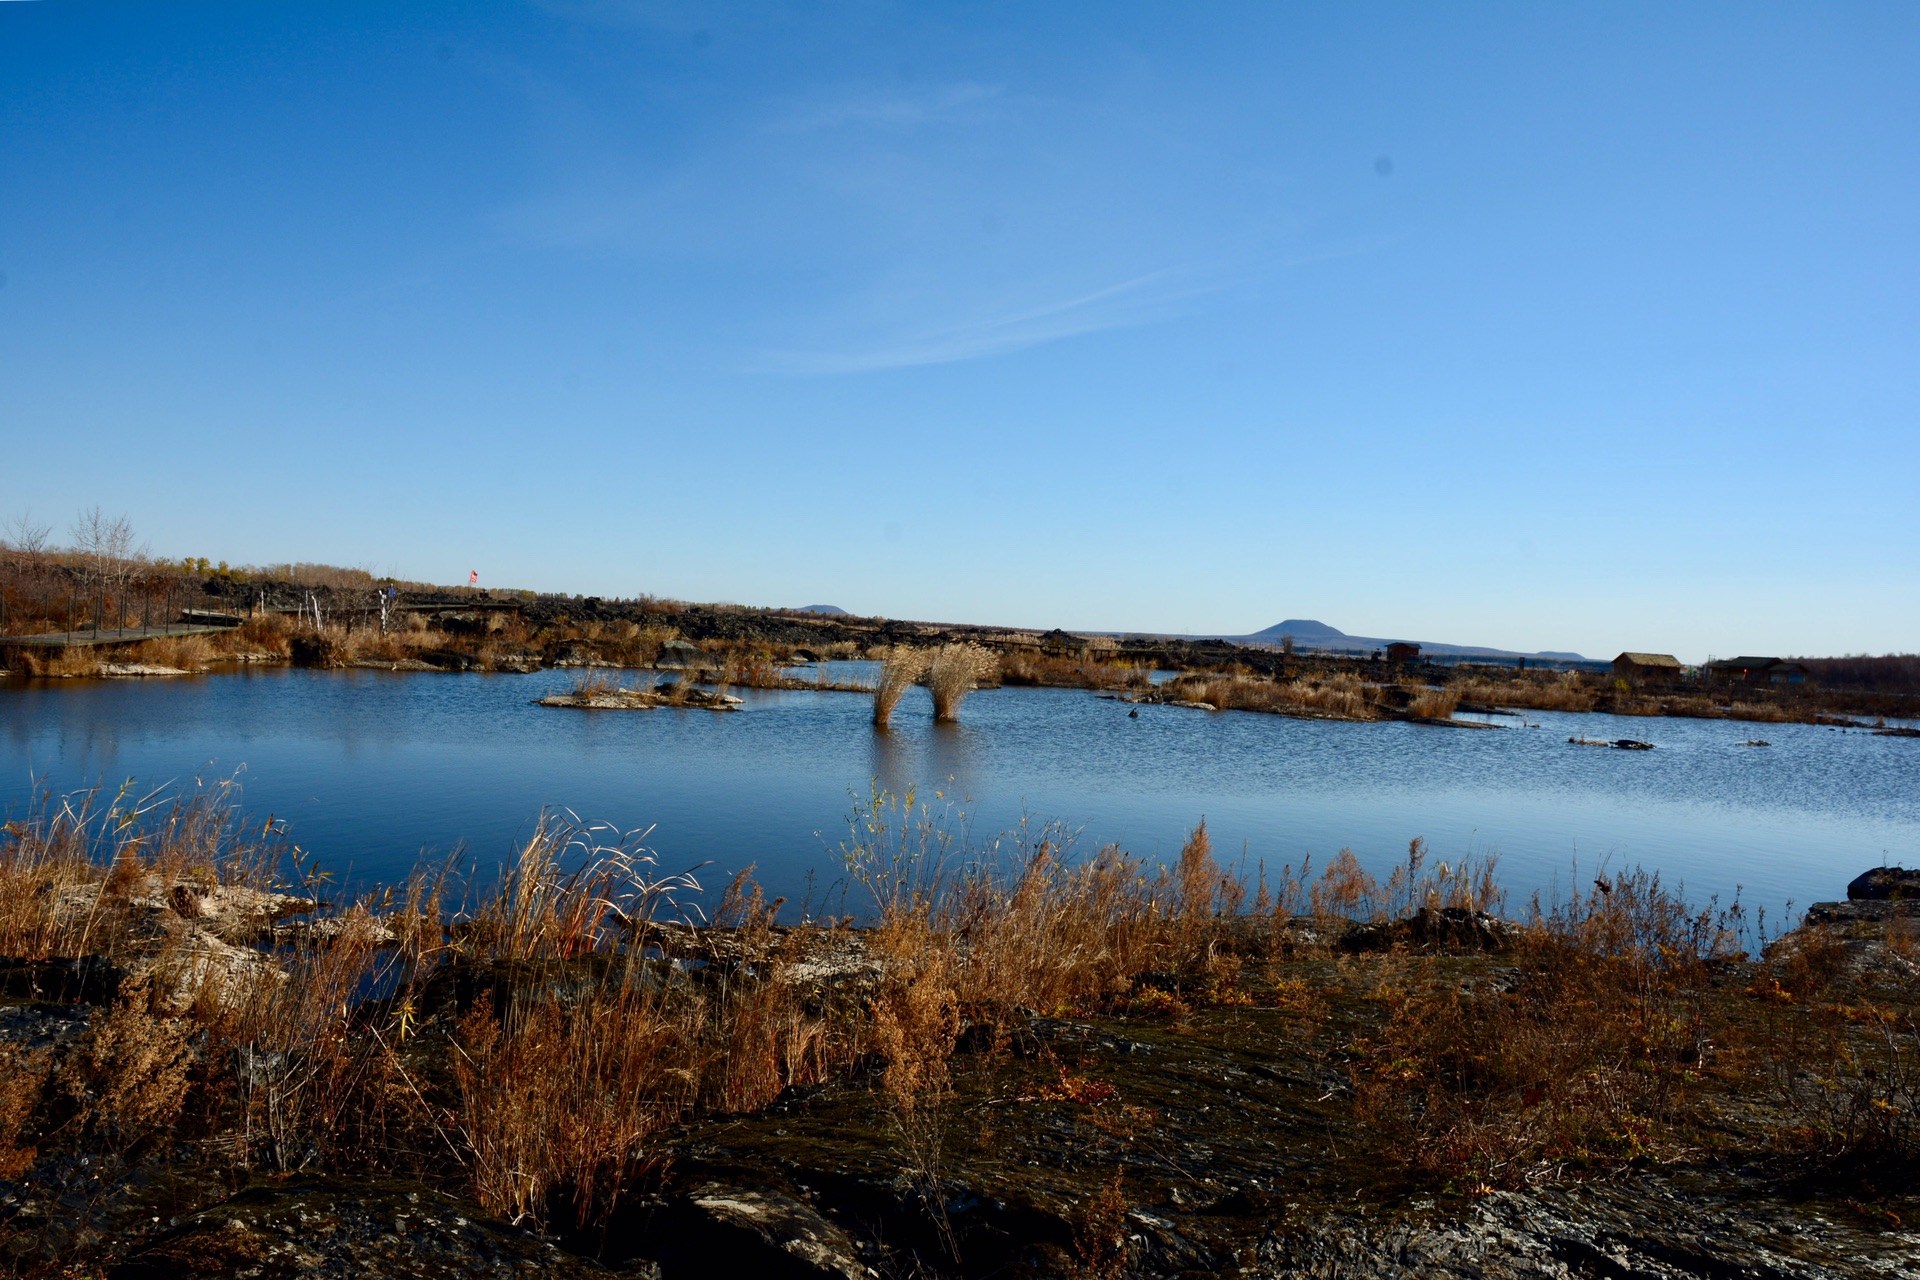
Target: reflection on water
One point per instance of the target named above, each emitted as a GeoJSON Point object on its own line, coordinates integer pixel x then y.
{"type": "Point", "coordinates": [373, 768]}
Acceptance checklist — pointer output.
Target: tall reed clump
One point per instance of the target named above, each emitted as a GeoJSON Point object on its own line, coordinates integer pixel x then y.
{"type": "Point", "coordinates": [901, 668]}
{"type": "Point", "coordinates": [186, 653]}
{"type": "Point", "coordinates": [955, 671]}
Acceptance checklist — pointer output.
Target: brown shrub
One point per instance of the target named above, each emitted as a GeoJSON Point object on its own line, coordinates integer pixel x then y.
{"type": "Point", "coordinates": [127, 1080]}
{"type": "Point", "coordinates": [24, 1074]}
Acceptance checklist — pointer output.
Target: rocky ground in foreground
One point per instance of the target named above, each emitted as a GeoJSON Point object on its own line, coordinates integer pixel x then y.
{"type": "Point", "coordinates": [1175, 1137]}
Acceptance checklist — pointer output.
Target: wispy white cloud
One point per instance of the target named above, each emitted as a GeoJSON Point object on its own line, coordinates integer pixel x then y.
{"type": "Point", "coordinates": [892, 109]}
{"type": "Point", "coordinates": [1138, 300]}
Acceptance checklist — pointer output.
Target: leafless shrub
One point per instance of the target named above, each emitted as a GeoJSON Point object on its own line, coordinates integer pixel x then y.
{"type": "Point", "coordinates": [27, 536]}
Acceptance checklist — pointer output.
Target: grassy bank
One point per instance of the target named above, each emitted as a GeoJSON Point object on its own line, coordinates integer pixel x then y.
{"type": "Point", "coordinates": [563, 1044]}
{"type": "Point", "coordinates": [326, 616]}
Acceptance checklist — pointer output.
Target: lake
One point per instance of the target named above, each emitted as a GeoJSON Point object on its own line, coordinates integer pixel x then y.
{"type": "Point", "coordinates": [373, 769]}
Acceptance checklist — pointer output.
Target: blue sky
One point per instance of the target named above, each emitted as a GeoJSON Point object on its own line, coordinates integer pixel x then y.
{"type": "Point", "coordinates": [1546, 326]}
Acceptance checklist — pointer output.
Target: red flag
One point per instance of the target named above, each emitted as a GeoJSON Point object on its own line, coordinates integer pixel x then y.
{"type": "Point", "coordinates": [473, 577]}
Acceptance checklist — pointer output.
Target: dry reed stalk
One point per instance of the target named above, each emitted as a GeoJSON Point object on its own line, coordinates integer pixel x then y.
{"type": "Point", "coordinates": [57, 663]}
{"type": "Point", "coordinates": [902, 667]}
{"type": "Point", "coordinates": [67, 868]}
{"type": "Point", "coordinates": [1348, 890]}
{"type": "Point", "coordinates": [269, 634]}
{"type": "Point", "coordinates": [955, 671]}
{"type": "Point", "coordinates": [916, 1023]}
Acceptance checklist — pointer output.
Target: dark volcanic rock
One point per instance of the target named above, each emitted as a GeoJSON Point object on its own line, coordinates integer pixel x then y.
{"type": "Point", "coordinates": [323, 1227]}
{"type": "Point", "coordinates": [1866, 911]}
{"type": "Point", "coordinates": [1883, 883]}
{"type": "Point", "coordinates": [83, 979]}
{"type": "Point", "coordinates": [43, 1026]}
{"type": "Point", "coordinates": [1432, 928]}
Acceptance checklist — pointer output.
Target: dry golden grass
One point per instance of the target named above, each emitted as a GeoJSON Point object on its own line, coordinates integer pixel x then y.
{"type": "Point", "coordinates": [955, 671]}
{"type": "Point", "coordinates": [185, 653]}
{"type": "Point", "coordinates": [1588, 1060]}
{"type": "Point", "coordinates": [1566, 691]}
{"type": "Point", "coordinates": [57, 663]}
{"type": "Point", "coordinates": [902, 667]}
{"type": "Point", "coordinates": [1020, 924]}
{"type": "Point", "coordinates": [1433, 704]}
{"type": "Point", "coordinates": [1340, 696]}
{"type": "Point", "coordinates": [1034, 667]}
{"type": "Point", "coordinates": [537, 1040]}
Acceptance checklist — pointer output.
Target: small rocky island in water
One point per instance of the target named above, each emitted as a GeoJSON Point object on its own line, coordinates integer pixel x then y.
{"type": "Point", "coordinates": [1044, 1068]}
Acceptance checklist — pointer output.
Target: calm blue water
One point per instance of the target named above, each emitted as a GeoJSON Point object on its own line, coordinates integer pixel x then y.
{"type": "Point", "coordinates": [373, 769]}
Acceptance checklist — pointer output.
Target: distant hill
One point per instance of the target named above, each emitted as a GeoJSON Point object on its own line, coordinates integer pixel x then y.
{"type": "Point", "coordinates": [1313, 635]}
{"type": "Point", "coordinates": [830, 610]}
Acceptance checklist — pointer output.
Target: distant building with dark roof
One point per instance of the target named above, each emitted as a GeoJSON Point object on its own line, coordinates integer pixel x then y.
{"type": "Point", "coordinates": [1402, 651]}
{"type": "Point", "coordinates": [1643, 668]}
{"type": "Point", "coordinates": [1751, 670]}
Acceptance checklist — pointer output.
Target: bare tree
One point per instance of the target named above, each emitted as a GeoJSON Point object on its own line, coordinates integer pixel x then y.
{"type": "Point", "coordinates": [27, 535]}
{"type": "Point", "coordinates": [107, 555]}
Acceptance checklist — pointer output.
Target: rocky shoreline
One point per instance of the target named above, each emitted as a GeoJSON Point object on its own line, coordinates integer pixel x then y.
{"type": "Point", "coordinates": [1165, 1137]}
